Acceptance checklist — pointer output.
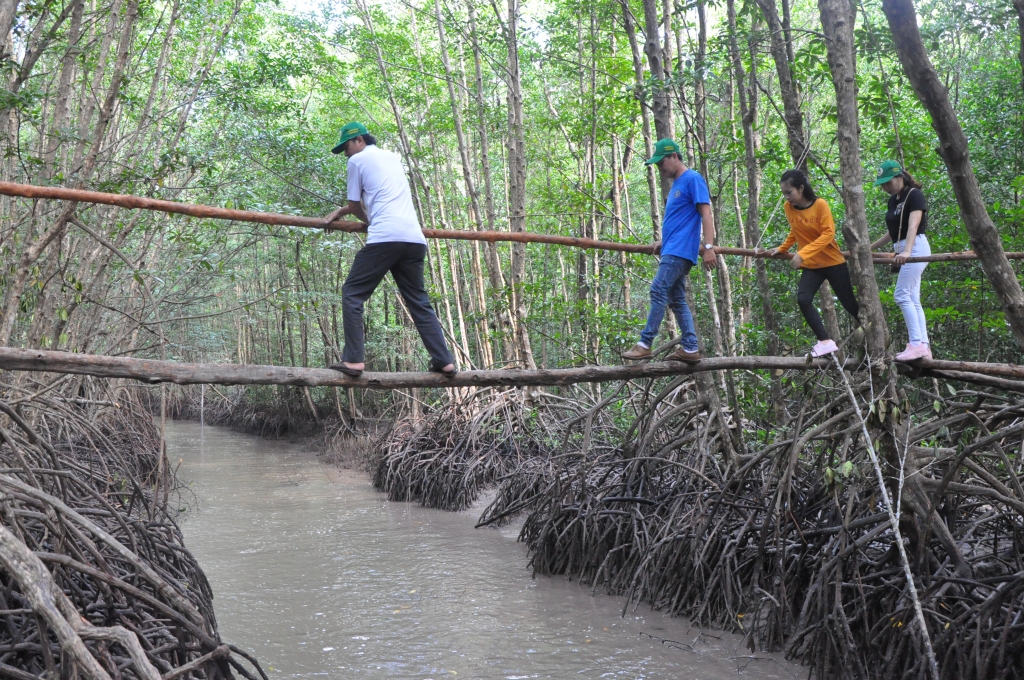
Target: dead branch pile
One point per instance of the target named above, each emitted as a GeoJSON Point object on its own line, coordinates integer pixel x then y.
{"type": "Point", "coordinates": [775, 532]}
{"type": "Point", "coordinates": [95, 581]}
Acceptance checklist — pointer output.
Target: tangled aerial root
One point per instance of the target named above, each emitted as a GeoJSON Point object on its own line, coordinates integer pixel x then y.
{"type": "Point", "coordinates": [446, 460]}
{"type": "Point", "coordinates": [256, 410]}
{"type": "Point", "coordinates": [95, 581]}
{"type": "Point", "coordinates": [788, 543]}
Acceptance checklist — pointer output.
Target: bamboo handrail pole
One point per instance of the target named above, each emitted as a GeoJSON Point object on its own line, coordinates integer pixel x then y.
{"type": "Point", "coordinates": [879, 258]}
{"type": "Point", "coordinates": [190, 209]}
{"type": "Point", "coordinates": [155, 371]}
{"type": "Point", "coordinates": [211, 212]}
{"type": "Point", "coordinates": [528, 237]}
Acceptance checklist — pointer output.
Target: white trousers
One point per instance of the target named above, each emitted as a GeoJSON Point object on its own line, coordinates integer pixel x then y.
{"type": "Point", "coordinates": [908, 290]}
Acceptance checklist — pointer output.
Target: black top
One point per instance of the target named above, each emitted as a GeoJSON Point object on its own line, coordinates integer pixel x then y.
{"type": "Point", "coordinates": [897, 217]}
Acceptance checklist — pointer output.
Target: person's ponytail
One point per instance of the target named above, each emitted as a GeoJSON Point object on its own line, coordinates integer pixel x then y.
{"type": "Point", "coordinates": [909, 180]}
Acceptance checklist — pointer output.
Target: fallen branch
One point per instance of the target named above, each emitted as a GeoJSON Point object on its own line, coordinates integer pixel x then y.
{"type": "Point", "coordinates": [1000, 370]}
{"type": "Point", "coordinates": [153, 371]}
{"type": "Point", "coordinates": [964, 376]}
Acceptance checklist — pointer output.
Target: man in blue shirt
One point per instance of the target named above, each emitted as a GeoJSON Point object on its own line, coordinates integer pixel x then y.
{"type": "Point", "coordinates": [687, 216]}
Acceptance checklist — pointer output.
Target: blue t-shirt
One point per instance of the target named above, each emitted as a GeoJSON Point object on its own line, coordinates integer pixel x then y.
{"type": "Point", "coordinates": [682, 227]}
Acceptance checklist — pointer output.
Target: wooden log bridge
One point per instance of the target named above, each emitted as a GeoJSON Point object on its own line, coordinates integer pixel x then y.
{"type": "Point", "coordinates": [153, 371]}
{"type": "Point", "coordinates": [211, 212]}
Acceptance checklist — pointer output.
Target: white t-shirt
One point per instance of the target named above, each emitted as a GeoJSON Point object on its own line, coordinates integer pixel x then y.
{"type": "Point", "coordinates": [376, 177]}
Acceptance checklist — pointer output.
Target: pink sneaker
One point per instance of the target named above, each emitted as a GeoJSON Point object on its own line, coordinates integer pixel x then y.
{"type": "Point", "coordinates": [824, 347]}
{"type": "Point", "coordinates": [914, 352]}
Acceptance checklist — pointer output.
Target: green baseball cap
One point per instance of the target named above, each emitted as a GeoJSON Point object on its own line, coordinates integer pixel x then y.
{"type": "Point", "coordinates": [887, 171]}
{"type": "Point", "coordinates": [349, 131]}
{"type": "Point", "coordinates": [662, 149]}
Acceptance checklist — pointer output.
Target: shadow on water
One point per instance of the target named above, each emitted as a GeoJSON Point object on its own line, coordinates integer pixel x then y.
{"type": "Point", "coordinates": [320, 576]}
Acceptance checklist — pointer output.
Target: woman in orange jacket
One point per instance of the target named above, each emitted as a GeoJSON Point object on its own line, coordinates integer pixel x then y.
{"type": "Point", "coordinates": [812, 229]}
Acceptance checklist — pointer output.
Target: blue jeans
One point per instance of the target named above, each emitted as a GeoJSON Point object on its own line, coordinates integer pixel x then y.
{"type": "Point", "coordinates": [669, 289]}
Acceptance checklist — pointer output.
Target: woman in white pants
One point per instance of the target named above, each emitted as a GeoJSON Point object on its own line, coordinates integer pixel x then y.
{"type": "Point", "coordinates": [906, 222]}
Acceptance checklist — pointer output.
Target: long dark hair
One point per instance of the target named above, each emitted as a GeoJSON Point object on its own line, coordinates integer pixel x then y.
{"type": "Point", "coordinates": [908, 180]}
{"type": "Point", "coordinates": [797, 178]}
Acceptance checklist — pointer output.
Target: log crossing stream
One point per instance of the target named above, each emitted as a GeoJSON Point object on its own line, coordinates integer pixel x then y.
{"type": "Point", "coordinates": [321, 577]}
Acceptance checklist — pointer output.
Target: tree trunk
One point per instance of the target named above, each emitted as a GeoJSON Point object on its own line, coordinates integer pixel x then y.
{"type": "Point", "coordinates": [453, 265]}
{"type": "Point", "coordinates": [467, 168]}
{"type": "Point", "coordinates": [638, 73]}
{"type": "Point", "coordinates": [700, 113]}
{"type": "Point", "coordinates": [493, 262]}
{"type": "Point", "coordinates": [516, 142]}
{"type": "Point", "coordinates": [837, 23]}
{"type": "Point", "coordinates": [748, 116]}
{"type": "Point", "coordinates": [983, 234]}
{"type": "Point", "coordinates": [8, 10]}
{"type": "Point", "coordinates": [799, 145]}
{"type": "Point", "coordinates": [793, 118]}
{"type": "Point", "coordinates": [617, 215]}
{"type": "Point", "coordinates": [33, 252]}
{"type": "Point", "coordinates": [415, 175]}
{"type": "Point", "coordinates": [1019, 6]}
{"type": "Point", "coordinates": [62, 105]}
{"type": "Point", "coordinates": [661, 105]}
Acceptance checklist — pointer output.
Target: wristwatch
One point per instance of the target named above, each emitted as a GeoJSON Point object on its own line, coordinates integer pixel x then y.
{"type": "Point", "coordinates": [709, 246]}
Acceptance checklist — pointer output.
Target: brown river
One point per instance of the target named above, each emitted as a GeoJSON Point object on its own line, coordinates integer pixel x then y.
{"type": "Point", "coordinates": [320, 576]}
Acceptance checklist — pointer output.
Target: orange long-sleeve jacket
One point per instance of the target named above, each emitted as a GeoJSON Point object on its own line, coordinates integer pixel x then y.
{"type": "Point", "coordinates": [814, 232]}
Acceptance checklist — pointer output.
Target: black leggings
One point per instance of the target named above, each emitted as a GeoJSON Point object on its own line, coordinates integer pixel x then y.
{"type": "Point", "coordinates": [810, 281]}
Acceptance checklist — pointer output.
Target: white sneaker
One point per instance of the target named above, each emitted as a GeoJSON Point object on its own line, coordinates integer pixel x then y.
{"type": "Point", "coordinates": [824, 347]}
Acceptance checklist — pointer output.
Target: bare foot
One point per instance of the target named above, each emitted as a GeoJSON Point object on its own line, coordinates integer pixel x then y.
{"type": "Point", "coordinates": [355, 367]}
{"type": "Point", "coordinates": [448, 369]}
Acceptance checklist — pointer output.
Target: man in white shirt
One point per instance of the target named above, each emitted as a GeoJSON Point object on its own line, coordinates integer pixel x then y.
{"type": "Point", "coordinates": [379, 194]}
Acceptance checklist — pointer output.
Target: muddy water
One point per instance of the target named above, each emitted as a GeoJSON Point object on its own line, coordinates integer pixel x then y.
{"type": "Point", "coordinates": [320, 576]}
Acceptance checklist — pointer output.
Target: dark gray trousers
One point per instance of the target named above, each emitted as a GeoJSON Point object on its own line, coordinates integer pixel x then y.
{"type": "Point", "coordinates": [405, 262]}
